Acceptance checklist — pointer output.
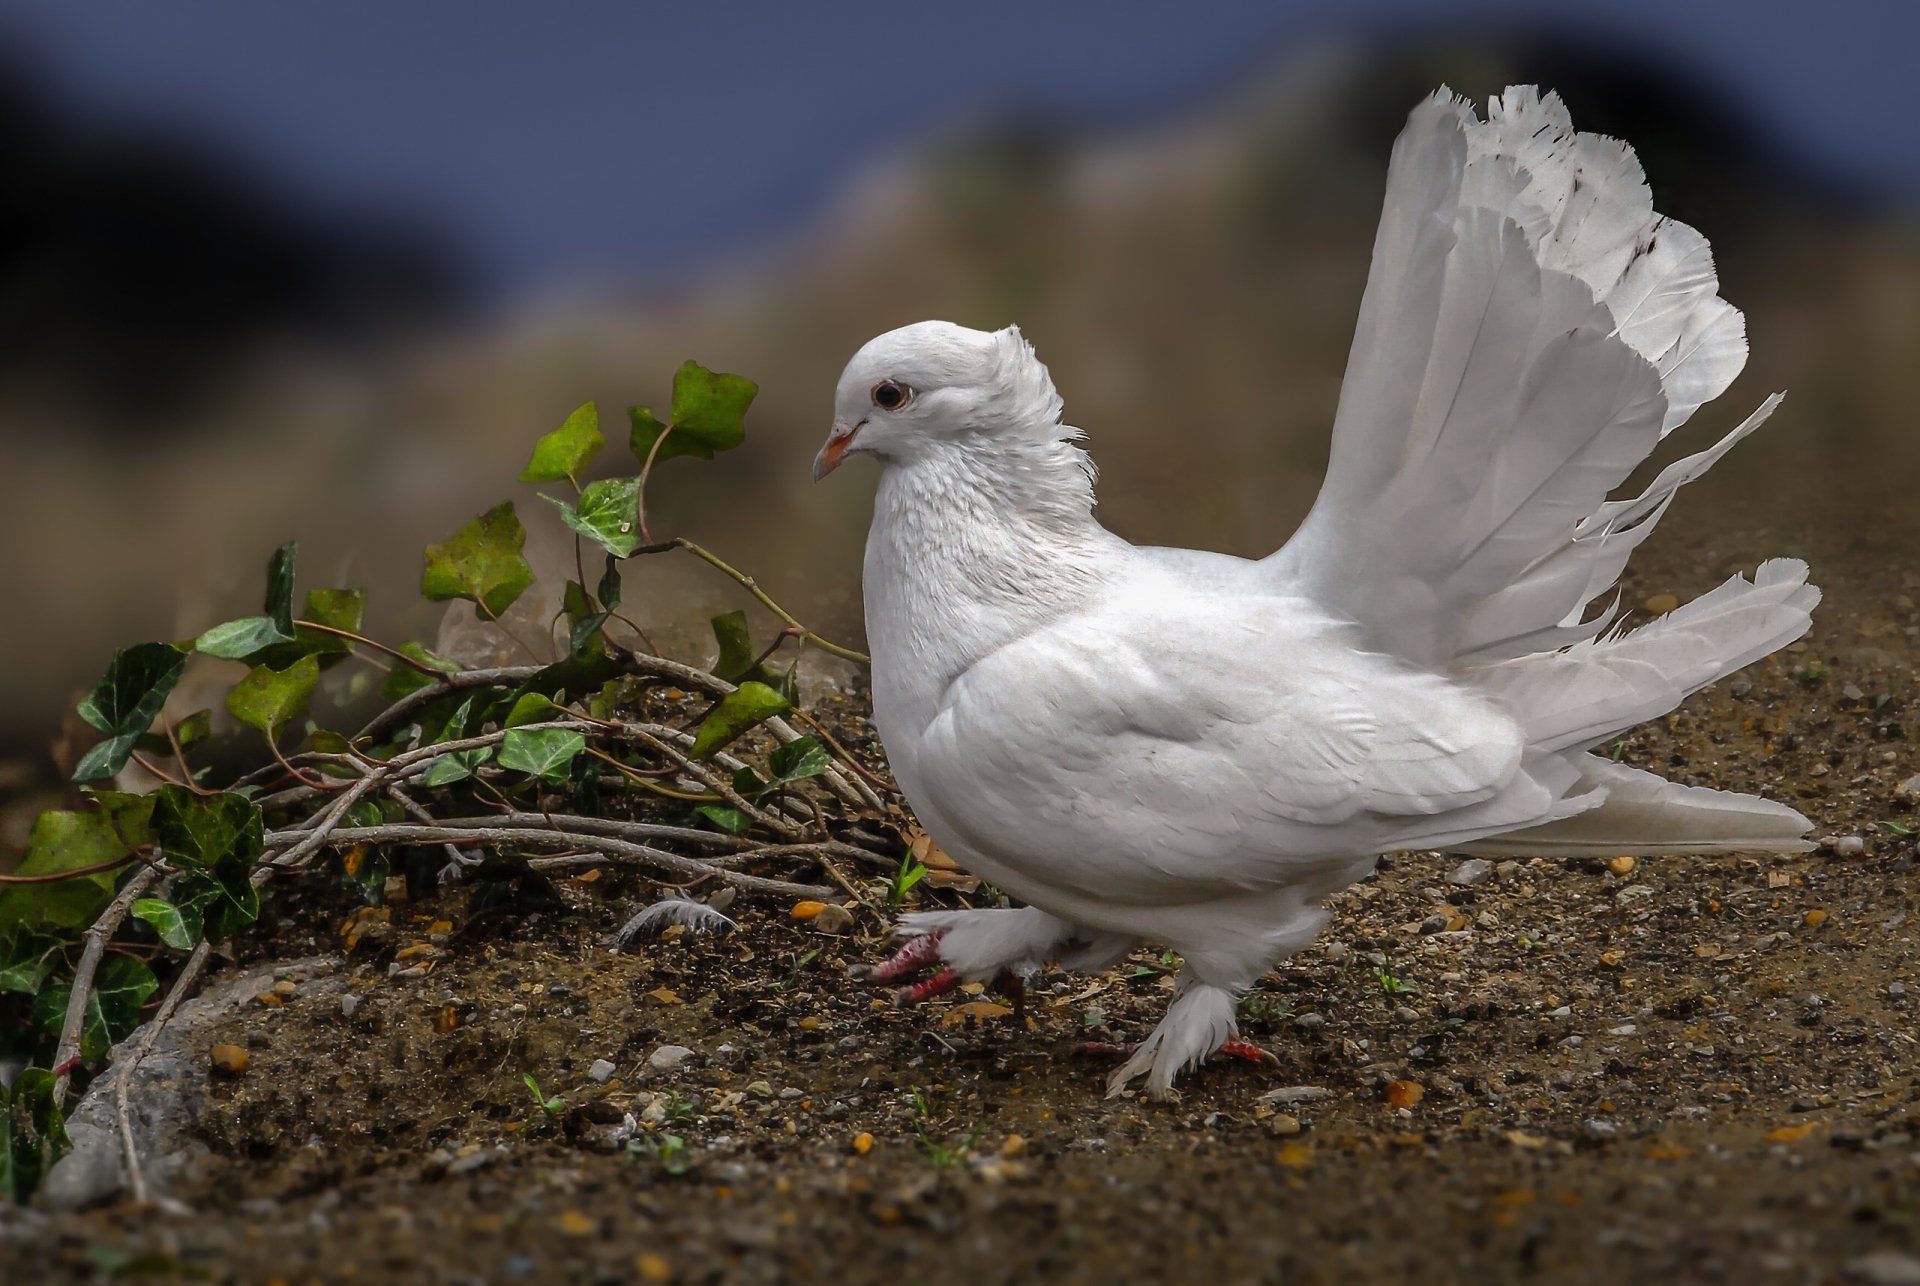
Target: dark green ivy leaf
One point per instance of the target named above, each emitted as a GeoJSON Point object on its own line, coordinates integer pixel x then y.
{"type": "Point", "coordinates": [120, 987]}
{"type": "Point", "coordinates": [33, 1133]}
{"type": "Point", "coordinates": [481, 562]}
{"type": "Point", "coordinates": [279, 605]}
{"type": "Point", "coordinates": [203, 832]}
{"type": "Point", "coordinates": [26, 958]}
{"type": "Point", "coordinates": [124, 703]}
{"type": "Point", "coordinates": [799, 760]}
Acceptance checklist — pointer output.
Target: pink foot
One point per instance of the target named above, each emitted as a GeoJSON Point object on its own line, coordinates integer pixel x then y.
{"type": "Point", "coordinates": [938, 984]}
{"type": "Point", "coordinates": [1241, 1050]}
{"type": "Point", "coordinates": [913, 957]}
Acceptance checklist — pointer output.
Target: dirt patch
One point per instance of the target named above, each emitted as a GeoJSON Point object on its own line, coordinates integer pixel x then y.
{"type": "Point", "coordinates": [1673, 1069]}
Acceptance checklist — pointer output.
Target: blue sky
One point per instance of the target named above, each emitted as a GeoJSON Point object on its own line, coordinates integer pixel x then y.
{"type": "Point", "coordinates": [563, 144]}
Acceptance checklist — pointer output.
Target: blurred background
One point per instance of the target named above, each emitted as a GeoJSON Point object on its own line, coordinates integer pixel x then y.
{"type": "Point", "coordinates": [325, 271]}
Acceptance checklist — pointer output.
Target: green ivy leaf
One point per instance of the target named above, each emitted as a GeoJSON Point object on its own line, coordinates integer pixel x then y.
{"type": "Point", "coordinates": [33, 1133]}
{"type": "Point", "coordinates": [610, 584]}
{"type": "Point", "coordinates": [26, 958]}
{"type": "Point", "coordinates": [194, 728]}
{"type": "Point", "coordinates": [481, 562]}
{"type": "Point", "coordinates": [799, 760]}
{"type": "Point", "coordinates": [583, 620]}
{"type": "Point", "coordinates": [455, 765]}
{"type": "Point", "coordinates": [541, 752]}
{"type": "Point", "coordinates": [279, 605]}
{"type": "Point", "coordinates": [268, 699]}
{"type": "Point", "coordinates": [742, 708]}
{"type": "Point", "coordinates": [238, 639]}
{"type": "Point", "coordinates": [124, 703]}
{"type": "Point", "coordinates": [710, 407]}
{"type": "Point", "coordinates": [568, 450]}
{"type": "Point", "coordinates": [59, 842]}
{"type": "Point", "coordinates": [120, 987]}
{"type": "Point", "coordinates": [730, 820]}
{"type": "Point", "coordinates": [736, 647]}
{"type": "Point", "coordinates": [532, 708]}
{"type": "Point", "coordinates": [708, 416]}
{"type": "Point", "coordinates": [205, 832]}
{"type": "Point", "coordinates": [605, 514]}
{"type": "Point", "coordinates": [218, 840]}
{"type": "Point", "coordinates": [404, 679]}
{"type": "Point", "coordinates": [574, 677]}
{"type": "Point", "coordinates": [343, 609]}
{"type": "Point", "coordinates": [167, 921]}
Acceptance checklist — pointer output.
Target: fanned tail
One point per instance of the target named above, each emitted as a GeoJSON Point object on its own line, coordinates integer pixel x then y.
{"type": "Point", "coordinates": [1532, 329]}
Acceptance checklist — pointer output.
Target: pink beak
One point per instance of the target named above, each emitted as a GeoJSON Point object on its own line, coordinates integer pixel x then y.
{"type": "Point", "coordinates": [839, 442]}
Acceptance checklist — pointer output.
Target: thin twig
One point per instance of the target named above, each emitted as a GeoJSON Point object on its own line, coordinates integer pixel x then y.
{"type": "Point", "coordinates": [376, 645]}
{"type": "Point", "coordinates": [66, 1054]}
{"type": "Point", "coordinates": [752, 587]}
{"type": "Point", "coordinates": [622, 850]}
{"type": "Point", "coordinates": [123, 1071]}
{"type": "Point", "coordinates": [77, 872]}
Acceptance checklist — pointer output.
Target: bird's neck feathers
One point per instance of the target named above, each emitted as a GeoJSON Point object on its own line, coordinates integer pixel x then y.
{"type": "Point", "coordinates": [972, 547]}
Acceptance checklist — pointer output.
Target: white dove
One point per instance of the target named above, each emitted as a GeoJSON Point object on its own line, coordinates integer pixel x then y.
{"type": "Point", "coordinates": [1194, 749]}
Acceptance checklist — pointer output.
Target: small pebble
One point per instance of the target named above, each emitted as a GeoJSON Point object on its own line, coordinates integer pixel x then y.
{"type": "Point", "coordinates": [668, 1058]}
{"type": "Point", "coordinates": [1910, 788]}
{"type": "Point", "coordinates": [1291, 1094]}
{"type": "Point", "coordinates": [1473, 871]}
{"type": "Point", "coordinates": [1850, 846]}
{"type": "Point", "coordinates": [349, 1005]}
{"type": "Point", "coordinates": [601, 1072]}
{"type": "Point", "coordinates": [1622, 866]}
{"type": "Point", "coordinates": [1896, 989]}
{"type": "Point", "coordinates": [1283, 1125]}
{"type": "Point", "coordinates": [230, 1060]}
{"type": "Point", "coordinates": [1661, 604]}
{"type": "Point", "coordinates": [1310, 1021]}
{"type": "Point", "coordinates": [832, 919]}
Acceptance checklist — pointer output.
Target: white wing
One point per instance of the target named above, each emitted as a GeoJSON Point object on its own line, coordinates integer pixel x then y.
{"type": "Point", "coordinates": [1193, 745]}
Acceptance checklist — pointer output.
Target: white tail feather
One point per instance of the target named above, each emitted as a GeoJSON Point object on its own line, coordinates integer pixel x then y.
{"type": "Point", "coordinates": [1650, 816]}
{"type": "Point", "coordinates": [1531, 330]}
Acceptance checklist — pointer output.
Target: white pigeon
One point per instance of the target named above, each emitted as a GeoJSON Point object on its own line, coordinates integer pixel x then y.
{"type": "Point", "coordinates": [1193, 749]}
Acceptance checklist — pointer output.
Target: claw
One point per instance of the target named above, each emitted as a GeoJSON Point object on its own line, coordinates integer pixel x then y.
{"type": "Point", "coordinates": [939, 984]}
{"type": "Point", "coordinates": [916, 955]}
{"type": "Point", "coordinates": [1248, 1053]}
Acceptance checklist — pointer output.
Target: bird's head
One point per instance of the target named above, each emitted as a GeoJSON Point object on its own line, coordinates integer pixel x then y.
{"type": "Point", "coordinates": [932, 383]}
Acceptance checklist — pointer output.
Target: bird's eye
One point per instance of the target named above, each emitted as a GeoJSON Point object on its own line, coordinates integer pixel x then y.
{"type": "Point", "coordinates": [891, 395]}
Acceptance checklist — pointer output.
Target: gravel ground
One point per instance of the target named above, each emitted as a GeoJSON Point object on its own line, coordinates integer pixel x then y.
{"type": "Point", "coordinates": [1671, 1069]}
